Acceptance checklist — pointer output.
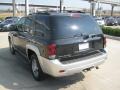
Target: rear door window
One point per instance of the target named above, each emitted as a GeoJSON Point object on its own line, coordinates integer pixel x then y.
{"type": "Point", "coordinates": [20, 24]}
{"type": "Point", "coordinates": [28, 25]}
{"type": "Point", "coordinates": [42, 28]}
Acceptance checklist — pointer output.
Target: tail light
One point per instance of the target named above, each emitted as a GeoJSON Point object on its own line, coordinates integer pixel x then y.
{"type": "Point", "coordinates": [52, 51]}
{"type": "Point", "coordinates": [104, 41]}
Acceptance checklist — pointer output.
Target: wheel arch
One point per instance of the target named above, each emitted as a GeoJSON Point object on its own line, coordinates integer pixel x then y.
{"type": "Point", "coordinates": [30, 49]}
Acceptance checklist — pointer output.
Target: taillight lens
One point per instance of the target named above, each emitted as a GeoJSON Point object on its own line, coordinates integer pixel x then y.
{"type": "Point", "coordinates": [104, 41]}
{"type": "Point", "coordinates": [52, 51]}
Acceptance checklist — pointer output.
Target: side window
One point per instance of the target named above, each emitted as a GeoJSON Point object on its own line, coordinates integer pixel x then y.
{"type": "Point", "coordinates": [39, 27]}
{"type": "Point", "coordinates": [20, 24]}
{"type": "Point", "coordinates": [40, 30]}
{"type": "Point", "coordinates": [28, 25]}
{"type": "Point", "coordinates": [21, 21]}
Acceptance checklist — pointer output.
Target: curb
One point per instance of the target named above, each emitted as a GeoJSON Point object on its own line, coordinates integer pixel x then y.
{"type": "Point", "coordinates": [112, 37]}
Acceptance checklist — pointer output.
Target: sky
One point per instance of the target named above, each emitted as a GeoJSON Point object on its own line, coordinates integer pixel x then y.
{"type": "Point", "coordinates": [68, 3]}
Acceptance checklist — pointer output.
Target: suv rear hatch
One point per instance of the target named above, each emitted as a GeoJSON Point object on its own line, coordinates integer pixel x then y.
{"type": "Point", "coordinates": [75, 35]}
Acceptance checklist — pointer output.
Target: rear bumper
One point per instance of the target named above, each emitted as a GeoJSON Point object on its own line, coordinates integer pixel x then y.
{"type": "Point", "coordinates": [53, 67]}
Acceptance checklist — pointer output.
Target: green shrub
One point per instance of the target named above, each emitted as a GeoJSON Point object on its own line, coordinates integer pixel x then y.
{"type": "Point", "coordinates": [1, 18]}
{"type": "Point", "coordinates": [111, 31]}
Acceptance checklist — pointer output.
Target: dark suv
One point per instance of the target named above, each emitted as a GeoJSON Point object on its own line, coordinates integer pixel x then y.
{"type": "Point", "coordinates": [58, 44]}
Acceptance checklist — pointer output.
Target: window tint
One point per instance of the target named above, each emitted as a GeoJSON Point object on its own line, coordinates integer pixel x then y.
{"type": "Point", "coordinates": [44, 21]}
{"type": "Point", "coordinates": [69, 26]}
{"type": "Point", "coordinates": [28, 21]}
{"type": "Point", "coordinates": [41, 25]}
{"type": "Point", "coordinates": [28, 25]}
{"type": "Point", "coordinates": [40, 29]}
{"type": "Point", "coordinates": [20, 24]}
{"type": "Point", "coordinates": [21, 21]}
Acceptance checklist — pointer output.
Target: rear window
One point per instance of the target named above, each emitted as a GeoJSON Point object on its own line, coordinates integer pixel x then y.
{"type": "Point", "coordinates": [68, 26]}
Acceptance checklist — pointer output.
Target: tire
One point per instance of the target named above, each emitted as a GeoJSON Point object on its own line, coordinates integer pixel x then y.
{"type": "Point", "coordinates": [36, 70]}
{"type": "Point", "coordinates": [12, 50]}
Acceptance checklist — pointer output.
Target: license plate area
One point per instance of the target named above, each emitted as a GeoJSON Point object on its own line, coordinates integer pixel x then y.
{"type": "Point", "coordinates": [83, 46]}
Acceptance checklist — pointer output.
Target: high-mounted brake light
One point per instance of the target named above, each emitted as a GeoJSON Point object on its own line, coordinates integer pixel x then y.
{"type": "Point", "coordinates": [52, 51]}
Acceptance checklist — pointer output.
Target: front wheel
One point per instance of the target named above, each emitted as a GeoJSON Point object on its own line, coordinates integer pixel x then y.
{"type": "Point", "coordinates": [36, 69]}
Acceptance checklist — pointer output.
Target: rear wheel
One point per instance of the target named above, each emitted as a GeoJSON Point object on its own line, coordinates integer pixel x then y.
{"type": "Point", "coordinates": [12, 50]}
{"type": "Point", "coordinates": [36, 69]}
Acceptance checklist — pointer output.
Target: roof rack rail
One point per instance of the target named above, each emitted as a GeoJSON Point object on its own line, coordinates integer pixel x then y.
{"type": "Point", "coordinates": [72, 11]}
{"type": "Point", "coordinates": [55, 12]}
{"type": "Point", "coordinates": [42, 12]}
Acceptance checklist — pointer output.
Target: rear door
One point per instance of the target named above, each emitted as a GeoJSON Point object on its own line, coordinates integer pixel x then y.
{"type": "Point", "coordinates": [25, 36]}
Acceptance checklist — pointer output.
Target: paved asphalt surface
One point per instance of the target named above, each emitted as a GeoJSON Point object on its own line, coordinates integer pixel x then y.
{"type": "Point", "coordinates": [15, 73]}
